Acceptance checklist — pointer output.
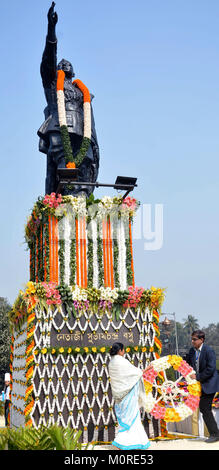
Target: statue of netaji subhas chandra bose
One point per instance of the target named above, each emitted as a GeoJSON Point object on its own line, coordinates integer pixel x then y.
{"type": "Point", "coordinates": [68, 134]}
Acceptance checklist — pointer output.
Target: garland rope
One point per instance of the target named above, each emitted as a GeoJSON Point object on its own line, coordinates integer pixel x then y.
{"type": "Point", "coordinates": [29, 401]}
{"type": "Point", "coordinates": [71, 160]}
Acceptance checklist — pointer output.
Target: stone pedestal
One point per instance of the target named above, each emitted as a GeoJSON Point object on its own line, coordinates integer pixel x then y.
{"type": "Point", "coordinates": [81, 298]}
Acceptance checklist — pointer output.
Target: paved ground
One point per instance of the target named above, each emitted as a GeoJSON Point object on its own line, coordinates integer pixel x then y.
{"type": "Point", "coordinates": [174, 444]}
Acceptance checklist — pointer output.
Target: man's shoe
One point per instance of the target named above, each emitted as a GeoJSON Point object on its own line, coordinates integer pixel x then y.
{"type": "Point", "coordinates": [212, 439]}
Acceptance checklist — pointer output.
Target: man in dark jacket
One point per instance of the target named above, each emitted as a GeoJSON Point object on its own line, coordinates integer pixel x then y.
{"type": "Point", "coordinates": [203, 360]}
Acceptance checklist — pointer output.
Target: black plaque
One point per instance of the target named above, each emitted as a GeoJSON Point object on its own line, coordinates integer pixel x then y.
{"type": "Point", "coordinates": [90, 338]}
{"type": "Point", "coordinates": [95, 333]}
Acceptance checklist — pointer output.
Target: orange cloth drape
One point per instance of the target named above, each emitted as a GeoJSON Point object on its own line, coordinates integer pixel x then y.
{"type": "Point", "coordinates": [53, 252]}
{"type": "Point", "coordinates": [107, 254]}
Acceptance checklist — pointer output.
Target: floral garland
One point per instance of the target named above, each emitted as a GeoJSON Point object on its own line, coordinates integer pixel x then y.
{"type": "Point", "coordinates": [100, 256]}
{"type": "Point", "coordinates": [171, 402]}
{"type": "Point", "coordinates": [79, 300]}
{"type": "Point", "coordinates": [72, 161]}
{"type": "Point", "coordinates": [70, 238]}
{"type": "Point", "coordinates": [61, 252]}
{"type": "Point", "coordinates": [72, 263]}
{"type": "Point", "coordinates": [56, 351]}
{"type": "Point", "coordinates": [115, 256]}
{"type": "Point", "coordinates": [58, 206]}
{"type": "Point", "coordinates": [29, 401]}
{"type": "Point", "coordinates": [11, 374]}
{"type": "Point", "coordinates": [44, 353]}
{"type": "Point", "coordinates": [215, 402]}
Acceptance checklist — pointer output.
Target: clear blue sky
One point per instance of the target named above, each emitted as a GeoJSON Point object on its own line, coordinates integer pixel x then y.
{"type": "Point", "coordinates": [153, 67]}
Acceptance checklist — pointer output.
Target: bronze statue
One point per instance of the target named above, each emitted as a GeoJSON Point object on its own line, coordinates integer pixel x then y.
{"type": "Point", "coordinates": [51, 141]}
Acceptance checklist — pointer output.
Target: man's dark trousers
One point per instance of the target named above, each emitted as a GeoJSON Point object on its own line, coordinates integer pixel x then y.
{"type": "Point", "coordinates": [208, 417]}
{"type": "Point", "coordinates": [208, 376]}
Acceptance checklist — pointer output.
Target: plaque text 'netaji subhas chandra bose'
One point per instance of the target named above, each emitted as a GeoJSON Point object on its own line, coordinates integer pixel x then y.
{"type": "Point", "coordinates": [77, 338]}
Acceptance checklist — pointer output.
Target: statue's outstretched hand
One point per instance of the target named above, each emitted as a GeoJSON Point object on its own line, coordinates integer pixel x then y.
{"type": "Point", "coordinates": [52, 15]}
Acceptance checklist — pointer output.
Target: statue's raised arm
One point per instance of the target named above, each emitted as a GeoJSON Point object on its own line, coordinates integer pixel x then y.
{"type": "Point", "coordinates": [52, 21]}
{"type": "Point", "coordinates": [49, 60]}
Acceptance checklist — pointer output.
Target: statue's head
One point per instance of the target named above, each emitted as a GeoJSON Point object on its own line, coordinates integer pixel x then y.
{"type": "Point", "coordinates": [66, 66]}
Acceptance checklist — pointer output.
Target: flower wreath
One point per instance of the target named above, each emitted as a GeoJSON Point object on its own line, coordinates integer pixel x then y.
{"type": "Point", "coordinates": [169, 400]}
{"type": "Point", "coordinates": [71, 161]}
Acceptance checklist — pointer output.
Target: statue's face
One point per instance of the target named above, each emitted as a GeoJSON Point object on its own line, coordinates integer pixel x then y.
{"type": "Point", "coordinates": [66, 66]}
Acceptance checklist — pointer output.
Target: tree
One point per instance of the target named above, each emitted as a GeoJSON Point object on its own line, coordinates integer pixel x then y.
{"type": "Point", "coordinates": [5, 339]}
{"type": "Point", "coordinates": [184, 331]}
{"type": "Point", "coordinates": [191, 324]}
{"type": "Point", "coordinates": [168, 338]}
{"type": "Point", "coordinates": [212, 336]}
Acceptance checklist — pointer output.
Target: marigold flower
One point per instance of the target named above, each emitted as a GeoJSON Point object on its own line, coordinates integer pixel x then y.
{"type": "Point", "coordinates": [147, 387]}
{"type": "Point", "coordinates": [70, 165]}
{"type": "Point", "coordinates": [195, 389]}
{"type": "Point", "coordinates": [175, 361]}
{"type": "Point", "coordinates": [30, 288]}
{"type": "Point", "coordinates": [171, 415]}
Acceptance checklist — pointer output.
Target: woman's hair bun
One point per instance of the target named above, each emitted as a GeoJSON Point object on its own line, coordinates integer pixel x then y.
{"type": "Point", "coordinates": [116, 347]}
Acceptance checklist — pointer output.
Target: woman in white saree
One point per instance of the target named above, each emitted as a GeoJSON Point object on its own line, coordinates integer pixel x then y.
{"type": "Point", "coordinates": [129, 395]}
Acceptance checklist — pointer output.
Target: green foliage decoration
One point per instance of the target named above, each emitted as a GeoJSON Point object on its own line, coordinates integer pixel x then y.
{"type": "Point", "coordinates": [44, 438]}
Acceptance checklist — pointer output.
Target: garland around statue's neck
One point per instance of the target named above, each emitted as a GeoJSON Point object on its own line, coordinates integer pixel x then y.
{"type": "Point", "coordinates": [71, 160]}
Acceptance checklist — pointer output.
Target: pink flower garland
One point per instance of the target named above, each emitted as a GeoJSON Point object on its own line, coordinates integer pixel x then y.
{"type": "Point", "coordinates": [134, 297]}
{"type": "Point", "coordinates": [130, 203]}
{"type": "Point", "coordinates": [184, 368]}
{"type": "Point", "coordinates": [52, 294]}
{"type": "Point", "coordinates": [51, 200]}
{"type": "Point", "coordinates": [158, 411]}
{"type": "Point", "coordinates": [149, 375]}
{"type": "Point", "coordinates": [192, 402]}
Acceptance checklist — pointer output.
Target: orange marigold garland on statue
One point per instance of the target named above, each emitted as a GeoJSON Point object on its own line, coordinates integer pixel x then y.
{"type": "Point", "coordinates": [71, 160]}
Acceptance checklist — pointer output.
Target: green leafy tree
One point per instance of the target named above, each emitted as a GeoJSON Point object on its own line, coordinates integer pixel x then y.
{"type": "Point", "coordinates": [5, 339]}
{"type": "Point", "coordinates": [212, 336]}
{"type": "Point", "coordinates": [190, 324]}
{"type": "Point", "coordinates": [184, 331]}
